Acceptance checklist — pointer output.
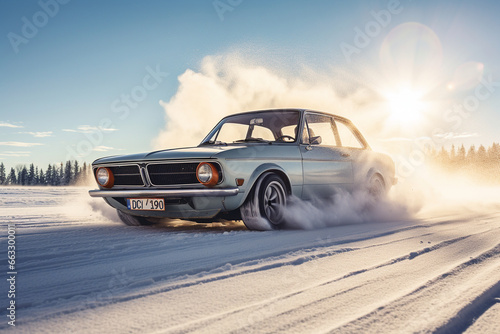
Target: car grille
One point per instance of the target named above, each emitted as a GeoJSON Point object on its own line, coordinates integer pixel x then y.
{"type": "Point", "coordinates": [172, 174]}
{"type": "Point", "coordinates": [167, 174]}
{"type": "Point", "coordinates": [127, 175]}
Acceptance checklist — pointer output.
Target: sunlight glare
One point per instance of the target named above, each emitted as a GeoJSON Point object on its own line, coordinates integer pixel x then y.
{"type": "Point", "coordinates": [405, 105]}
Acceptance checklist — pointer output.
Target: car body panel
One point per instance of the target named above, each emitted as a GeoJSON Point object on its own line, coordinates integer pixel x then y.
{"type": "Point", "coordinates": [201, 208]}
{"type": "Point", "coordinates": [174, 154]}
{"type": "Point", "coordinates": [324, 168]}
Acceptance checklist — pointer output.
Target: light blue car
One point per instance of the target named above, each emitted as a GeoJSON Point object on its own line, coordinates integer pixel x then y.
{"type": "Point", "coordinates": [246, 169]}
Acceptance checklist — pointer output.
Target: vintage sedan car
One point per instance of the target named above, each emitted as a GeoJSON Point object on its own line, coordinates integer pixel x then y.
{"type": "Point", "coordinates": [246, 169]}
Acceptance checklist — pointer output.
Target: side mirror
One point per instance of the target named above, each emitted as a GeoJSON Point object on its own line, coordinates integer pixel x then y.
{"type": "Point", "coordinates": [315, 140]}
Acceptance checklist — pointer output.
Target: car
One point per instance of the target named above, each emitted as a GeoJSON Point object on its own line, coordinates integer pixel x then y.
{"type": "Point", "coordinates": [247, 168]}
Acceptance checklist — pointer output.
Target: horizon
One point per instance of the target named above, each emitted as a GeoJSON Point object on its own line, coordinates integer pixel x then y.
{"type": "Point", "coordinates": [432, 154]}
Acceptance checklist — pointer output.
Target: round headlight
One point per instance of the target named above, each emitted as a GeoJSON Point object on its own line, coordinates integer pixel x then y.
{"type": "Point", "coordinates": [207, 174]}
{"type": "Point", "coordinates": [105, 177]}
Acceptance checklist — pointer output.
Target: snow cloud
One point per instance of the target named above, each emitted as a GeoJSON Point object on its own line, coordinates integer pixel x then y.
{"type": "Point", "coordinates": [227, 84]}
{"type": "Point", "coordinates": [348, 208]}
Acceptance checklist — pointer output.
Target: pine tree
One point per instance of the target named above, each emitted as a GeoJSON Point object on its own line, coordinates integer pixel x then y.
{"type": "Point", "coordinates": [3, 177]}
{"type": "Point", "coordinates": [453, 153]}
{"type": "Point", "coordinates": [41, 178]}
{"type": "Point", "coordinates": [31, 175]}
{"type": "Point", "coordinates": [461, 154]}
{"type": "Point", "coordinates": [68, 173]}
{"type": "Point", "coordinates": [83, 177]}
{"type": "Point", "coordinates": [48, 176]}
{"type": "Point", "coordinates": [19, 169]}
{"type": "Point", "coordinates": [60, 180]}
{"type": "Point", "coordinates": [12, 176]}
{"type": "Point", "coordinates": [471, 155]}
{"type": "Point", "coordinates": [494, 153]}
{"type": "Point", "coordinates": [76, 173]}
{"type": "Point", "coordinates": [23, 180]}
{"type": "Point", "coordinates": [55, 176]}
{"type": "Point", "coordinates": [37, 176]}
{"type": "Point", "coordinates": [481, 155]}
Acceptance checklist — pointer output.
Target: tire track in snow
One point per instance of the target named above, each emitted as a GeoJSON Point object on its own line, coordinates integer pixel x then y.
{"type": "Point", "coordinates": [462, 315]}
{"type": "Point", "coordinates": [319, 305]}
{"type": "Point", "coordinates": [257, 308]}
{"type": "Point", "coordinates": [272, 259]}
{"type": "Point", "coordinates": [205, 276]}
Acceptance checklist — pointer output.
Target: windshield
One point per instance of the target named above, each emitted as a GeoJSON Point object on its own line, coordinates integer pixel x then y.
{"type": "Point", "coordinates": [269, 126]}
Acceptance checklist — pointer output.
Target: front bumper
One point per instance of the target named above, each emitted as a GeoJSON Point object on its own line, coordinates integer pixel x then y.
{"type": "Point", "coordinates": [166, 193]}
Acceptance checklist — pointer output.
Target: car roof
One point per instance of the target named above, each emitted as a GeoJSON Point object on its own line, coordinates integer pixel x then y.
{"type": "Point", "coordinates": [293, 109]}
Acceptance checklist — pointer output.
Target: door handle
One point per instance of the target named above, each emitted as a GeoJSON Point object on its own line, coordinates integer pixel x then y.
{"type": "Point", "coordinates": [345, 155]}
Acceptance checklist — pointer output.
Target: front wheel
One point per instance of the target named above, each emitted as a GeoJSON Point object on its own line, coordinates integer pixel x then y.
{"type": "Point", "coordinates": [135, 220]}
{"type": "Point", "coordinates": [263, 209]}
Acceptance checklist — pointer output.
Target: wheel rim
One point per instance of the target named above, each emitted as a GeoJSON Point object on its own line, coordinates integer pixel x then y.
{"type": "Point", "coordinates": [377, 188]}
{"type": "Point", "coordinates": [274, 199]}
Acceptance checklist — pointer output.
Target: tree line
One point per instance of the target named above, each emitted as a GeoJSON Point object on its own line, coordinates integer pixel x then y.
{"type": "Point", "coordinates": [482, 163]}
{"type": "Point", "coordinates": [70, 173]}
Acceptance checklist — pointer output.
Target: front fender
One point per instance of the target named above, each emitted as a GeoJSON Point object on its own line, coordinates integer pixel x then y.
{"type": "Point", "coordinates": [235, 202]}
{"type": "Point", "coordinates": [268, 167]}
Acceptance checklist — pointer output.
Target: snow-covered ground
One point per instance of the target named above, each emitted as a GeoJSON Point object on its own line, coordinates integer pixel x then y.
{"type": "Point", "coordinates": [81, 271]}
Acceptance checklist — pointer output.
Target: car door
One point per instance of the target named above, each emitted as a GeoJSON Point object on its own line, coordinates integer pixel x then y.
{"type": "Point", "coordinates": [326, 167]}
{"type": "Point", "coordinates": [354, 145]}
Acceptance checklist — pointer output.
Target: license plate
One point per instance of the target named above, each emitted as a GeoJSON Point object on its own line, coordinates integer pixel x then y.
{"type": "Point", "coordinates": [146, 204]}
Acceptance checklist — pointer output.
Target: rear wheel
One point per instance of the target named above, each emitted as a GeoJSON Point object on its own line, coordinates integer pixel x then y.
{"type": "Point", "coordinates": [135, 220]}
{"type": "Point", "coordinates": [376, 187]}
{"type": "Point", "coordinates": [263, 209]}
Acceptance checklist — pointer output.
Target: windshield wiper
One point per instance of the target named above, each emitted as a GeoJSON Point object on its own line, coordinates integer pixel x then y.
{"type": "Point", "coordinates": [250, 140]}
{"type": "Point", "coordinates": [210, 142]}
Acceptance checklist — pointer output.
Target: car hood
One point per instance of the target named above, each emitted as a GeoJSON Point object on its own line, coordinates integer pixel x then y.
{"type": "Point", "coordinates": [198, 152]}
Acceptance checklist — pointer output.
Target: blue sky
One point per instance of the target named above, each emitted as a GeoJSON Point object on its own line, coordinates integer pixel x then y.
{"type": "Point", "coordinates": [71, 74]}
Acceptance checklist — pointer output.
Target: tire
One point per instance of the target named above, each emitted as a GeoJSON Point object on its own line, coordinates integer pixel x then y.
{"type": "Point", "coordinates": [376, 187]}
{"type": "Point", "coordinates": [134, 220]}
{"type": "Point", "coordinates": [263, 208]}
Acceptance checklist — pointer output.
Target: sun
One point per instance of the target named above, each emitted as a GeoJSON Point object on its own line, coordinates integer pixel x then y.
{"type": "Point", "coordinates": [405, 106]}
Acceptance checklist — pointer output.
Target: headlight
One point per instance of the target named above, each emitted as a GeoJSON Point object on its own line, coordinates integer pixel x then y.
{"type": "Point", "coordinates": [105, 177]}
{"type": "Point", "coordinates": [207, 174]}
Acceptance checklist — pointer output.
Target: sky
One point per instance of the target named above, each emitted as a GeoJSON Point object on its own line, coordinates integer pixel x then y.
{"type": "Point", "coordinates": [85, 79]}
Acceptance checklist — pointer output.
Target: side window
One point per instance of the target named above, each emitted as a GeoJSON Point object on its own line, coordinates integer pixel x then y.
{"type": "Point", "coordinates": [320, 128]}
{"type": "Point", "coordinates": [347, 137]}
{"type": "Point", "coordinates": [290, 130]}
{"type": "Point", "coordinates": [305, 135]}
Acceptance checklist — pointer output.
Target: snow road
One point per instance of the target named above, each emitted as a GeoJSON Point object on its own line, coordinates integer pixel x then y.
{"type": "Point", "coordinates": [81, 272]}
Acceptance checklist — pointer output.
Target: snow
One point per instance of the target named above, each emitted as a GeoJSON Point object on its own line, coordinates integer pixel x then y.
{"type": "Point", "coordinates": [489, 322]}
{"type": "Point", "coordinates": [80, 270]}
